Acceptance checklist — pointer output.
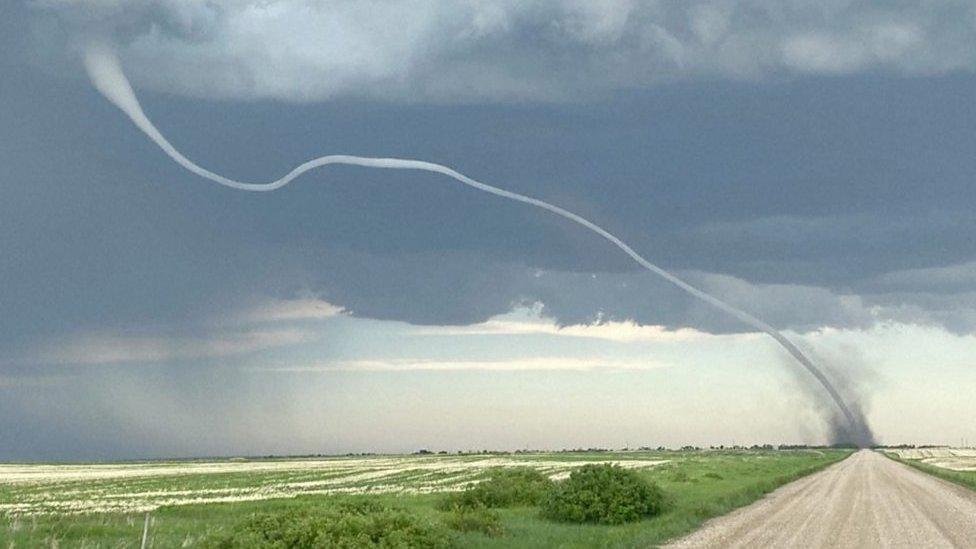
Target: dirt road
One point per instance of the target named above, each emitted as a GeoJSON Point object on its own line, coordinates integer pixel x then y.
{"type": "Point", "coordinates": [864, 501]}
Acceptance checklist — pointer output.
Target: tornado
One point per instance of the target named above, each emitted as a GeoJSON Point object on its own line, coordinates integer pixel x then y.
{"type": "Point", "coordinates": [106, 74]}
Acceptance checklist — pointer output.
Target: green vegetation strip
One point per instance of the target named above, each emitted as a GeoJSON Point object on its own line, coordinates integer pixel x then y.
{"type": "Point", "coordinates": [963, 478]}
{"type": "Point", "coordinates": [697, 485]}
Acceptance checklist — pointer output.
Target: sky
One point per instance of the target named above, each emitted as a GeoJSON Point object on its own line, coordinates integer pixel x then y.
{"type": "Point", "coordinates": [809, 162]}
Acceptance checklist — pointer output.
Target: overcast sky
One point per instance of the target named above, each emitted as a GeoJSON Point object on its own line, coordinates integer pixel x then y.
{"type": "Point", "coordinates": [810, 162]}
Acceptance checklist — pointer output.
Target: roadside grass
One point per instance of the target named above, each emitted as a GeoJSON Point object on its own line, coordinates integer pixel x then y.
{"type": "Point", "coordinates": [699, 485]}
{"type": "Point", "coordinates": [963, 478]}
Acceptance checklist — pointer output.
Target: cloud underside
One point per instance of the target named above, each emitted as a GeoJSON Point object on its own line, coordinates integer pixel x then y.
{"type": "Point", "coordinates": [243, 335]}
{"type": "Point", "coordinates": [514, 302]}
{"type": "Point", "coordinates": [299, 50]}
{"type": "Point", "coordinates": [465, 289]}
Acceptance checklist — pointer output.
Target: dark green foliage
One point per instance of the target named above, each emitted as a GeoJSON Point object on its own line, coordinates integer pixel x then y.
{"type": "Point", "coordinates": [605, 494]}
{"type": "Point", "coordinates": [475, 519]}
{"type": "Point", "coordinates": [508, 487]}
{"type": "Point", "coordinates": [351, 525]}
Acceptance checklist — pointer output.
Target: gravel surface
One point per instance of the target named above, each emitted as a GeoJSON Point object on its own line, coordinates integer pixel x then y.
{"type": "Point", "coordinates": [867, 500]}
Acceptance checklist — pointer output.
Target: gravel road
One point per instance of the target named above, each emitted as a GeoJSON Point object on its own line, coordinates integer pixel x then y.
{"type": "Point", "coordinates": [865, 501]}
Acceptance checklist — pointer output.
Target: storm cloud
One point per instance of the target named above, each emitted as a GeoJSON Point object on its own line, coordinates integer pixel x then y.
{"type": "Point", "coordinates": [408, 50]}
{"type": "Point", "coordinates": [809, 163]}
{"type": "Point", "coordinates": [845, 207]}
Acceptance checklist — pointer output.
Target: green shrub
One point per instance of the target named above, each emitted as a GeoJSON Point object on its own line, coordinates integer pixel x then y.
{"type": "Point", "coordinates": [475, 519]}
{"type": "Point", "coordinates": [354, 525]}
{"type": "Point", "coordinates": [606, 494]}
{"type": "Point", "coordinates": [504, 487]}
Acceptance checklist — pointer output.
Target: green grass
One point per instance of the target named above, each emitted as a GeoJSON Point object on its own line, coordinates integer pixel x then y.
{"type": "Point", "coordinates": [964, 478]}
{"type": "Point", "coordinates": [699, 485]}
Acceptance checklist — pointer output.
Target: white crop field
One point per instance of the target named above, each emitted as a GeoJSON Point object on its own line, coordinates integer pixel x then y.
{"type": "Point", "coordinates": [957, 459]}
{"type": "Point", "coordinates": [34, 489]}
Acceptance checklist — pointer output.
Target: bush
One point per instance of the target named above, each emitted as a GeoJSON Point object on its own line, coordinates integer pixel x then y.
{"type": "Point", "coordinates": [475, 519]}
{"type": "Point", "coordinates": [353, 525]}
{"type": "Point", "coordinates": [508, 487]}
{"type": "Point", "coordinates": [606, 494]}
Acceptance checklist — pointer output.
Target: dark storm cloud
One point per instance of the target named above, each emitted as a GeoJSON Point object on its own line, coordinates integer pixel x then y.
{"type": "Point", "coordinates": [840, 197]}
{"type": "Point", "coordinates": [815, 200]}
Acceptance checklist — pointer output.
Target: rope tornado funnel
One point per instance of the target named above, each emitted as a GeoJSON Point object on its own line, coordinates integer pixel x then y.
{"type": "Point", "coordinates": [105, 71]}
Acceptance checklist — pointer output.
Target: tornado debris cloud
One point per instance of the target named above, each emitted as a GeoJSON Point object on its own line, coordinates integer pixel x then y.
{"type": "Point", "coordinates": [106, 74]}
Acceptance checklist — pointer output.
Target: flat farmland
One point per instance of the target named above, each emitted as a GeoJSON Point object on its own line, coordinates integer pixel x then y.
{"type": "Point", "coordinates": [956, 459]}
{"type": "Point", "coordinates": [956, 465]}
{"type": "Point", "coordinates": [104, 504]}
{"type": "Point", "coordinates": [139, 487]}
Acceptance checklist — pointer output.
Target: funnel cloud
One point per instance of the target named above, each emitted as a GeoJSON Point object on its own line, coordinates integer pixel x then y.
{"type": "Point", "coordinates": [105, 71]}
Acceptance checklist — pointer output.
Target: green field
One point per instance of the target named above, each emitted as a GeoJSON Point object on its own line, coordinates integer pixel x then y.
{"type": "Point", "coordinates": [104, 505]}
